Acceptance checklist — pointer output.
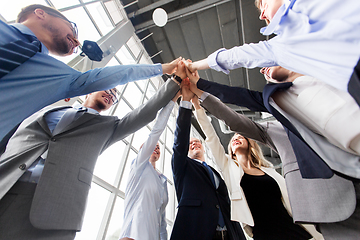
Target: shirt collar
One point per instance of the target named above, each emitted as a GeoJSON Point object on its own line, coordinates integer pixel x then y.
{"type": "Point", "coordinates": [283, 10]}
{"type": "Point", "coordinates": [25, 30]}
{"type": "Point", "coordinates": [199, 161]}
{"type": "Point", "coordinates": [89, 110]}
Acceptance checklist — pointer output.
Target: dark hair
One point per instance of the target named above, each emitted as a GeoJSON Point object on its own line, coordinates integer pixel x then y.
{"type": "Point", "coordinates": [26, 11]}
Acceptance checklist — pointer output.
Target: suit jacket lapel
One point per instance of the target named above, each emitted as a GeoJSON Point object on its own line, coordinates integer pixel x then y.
{"type": "Point", "coordinates": [310, 164]}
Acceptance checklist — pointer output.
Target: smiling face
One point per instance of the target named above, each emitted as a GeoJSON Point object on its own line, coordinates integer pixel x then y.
{"type": "Point", "coordinates": [155, 154]}
{"type": "Point", "coordinates": [63, 36]}
{"type": "Point", "coordinates": [239, 143]}
{"type": "Point", "coordinates": [196, 149]}
{"type": "Point", "coordinates": [268, 8]}
{"type": "Point", "coordinates": [100, 101]}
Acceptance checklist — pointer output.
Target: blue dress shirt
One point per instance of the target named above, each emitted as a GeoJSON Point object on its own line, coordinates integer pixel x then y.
{"type": "Point", "coordinates": [314, 37]}
{"type": "Point", "coordinates": [43, 80]}
{"type": "Point", "coordinates": [146, 193]}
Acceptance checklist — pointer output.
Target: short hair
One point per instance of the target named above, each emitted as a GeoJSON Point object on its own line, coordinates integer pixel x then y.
{"type": "Point", "coordinates": [255, 154]}
{"type": "Point", "coordinates": [258, 3]}
{"type": "Point", "coordinates": [26, 11]}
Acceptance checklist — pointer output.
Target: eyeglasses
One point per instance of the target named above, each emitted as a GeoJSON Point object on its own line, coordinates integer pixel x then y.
{"type": "Point", "coordinates": [113, 95]}
{"type": "Point", "coordinates": [74, 28]}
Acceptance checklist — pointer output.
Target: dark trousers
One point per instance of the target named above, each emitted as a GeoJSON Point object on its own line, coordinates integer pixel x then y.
{"type": "Point", "coordinates": [15, 220]}
{"type": "Point", "coordinates": [354, 83]}
{"type": "Point", "coordinates": [348, 229]}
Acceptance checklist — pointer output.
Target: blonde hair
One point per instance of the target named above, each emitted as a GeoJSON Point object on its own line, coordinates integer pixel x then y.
{"type": "Point", "coordinates": [255, 155]}
{"type": "Point", "coordinates": [258, 3]}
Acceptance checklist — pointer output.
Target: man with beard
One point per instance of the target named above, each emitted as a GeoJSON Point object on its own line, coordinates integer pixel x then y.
{"type": "Point", "coordinates": [46, 170]}
{"type": "Point", "coordinates": [30, 79]}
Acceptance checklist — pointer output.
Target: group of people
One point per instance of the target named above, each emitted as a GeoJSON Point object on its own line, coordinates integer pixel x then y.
{"type": "Point", "coordinates": [312, 66]}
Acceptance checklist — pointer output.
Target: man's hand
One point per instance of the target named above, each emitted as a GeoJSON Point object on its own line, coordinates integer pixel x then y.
{"type": "Point", "coordinates": [195, 101]}
{"type": "Point", "coordinates": [193, 76]}
{"type": "Point", "coordinates": [181, 70]}
{"type": "Point", "coordinates": [170, 68]}
{"type": "Point", "coordinates": [187, 94]}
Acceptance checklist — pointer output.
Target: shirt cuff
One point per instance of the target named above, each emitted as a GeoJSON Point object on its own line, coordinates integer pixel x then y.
{"type": "Point", "coordinates": [204, 95]}
{"type": "Point", "coordinates": [186, 104]}
{"type": "Point", "coordinates": [213, 64]}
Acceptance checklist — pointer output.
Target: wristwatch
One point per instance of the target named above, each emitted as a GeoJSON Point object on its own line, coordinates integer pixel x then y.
{"type": "Point", "coordinates": [177, 78]}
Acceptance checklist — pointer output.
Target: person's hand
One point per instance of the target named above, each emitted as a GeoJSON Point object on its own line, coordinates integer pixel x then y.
{"type": "Point", "coordinates": [198, 65]}
{"type": "Point", "coordinates": [181, 69]}
{"type": "Point", "coordinates": [193, 76]}
{"type": "Point", "coordinates": [186, 93]}
{"type": "Point", "coordinates": [195, 90]}
{"type": "Point", "coordinates": [170, 68]}
{"type": "Point", "coordinates": [178, 94]}
{"type": "Point", "coordinates": [195, 101]}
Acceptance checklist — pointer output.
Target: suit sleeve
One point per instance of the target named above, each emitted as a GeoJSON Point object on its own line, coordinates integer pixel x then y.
{"type": "Point", "coordinates": [234, 95]}
{"type": "Point", "coordinates": [237, 122]}
{"type": "Point", "coordinates": [181, 143]}
{"type": "Point", "coordinates": [144, 114]}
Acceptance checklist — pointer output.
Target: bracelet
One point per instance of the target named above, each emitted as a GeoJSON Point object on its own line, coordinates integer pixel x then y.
{"type": "Point", "coordinates": [177, 78]}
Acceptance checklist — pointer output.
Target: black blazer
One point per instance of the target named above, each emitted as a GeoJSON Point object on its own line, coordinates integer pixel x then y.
{"type": "Point", "coordinates": [310, 163]}
{"type": "Point", "coordinates": [199, 200]}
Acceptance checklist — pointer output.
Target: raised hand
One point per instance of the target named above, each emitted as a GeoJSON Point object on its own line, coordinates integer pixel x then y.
{"type": "Point", "coordinates": [195, 101]}
{"type": "Point", "coordinates": [186, 93]}
{"type": "Point", "coordinates": [193, 76]}
{"type": "Point", "coordinates": [170, 68]}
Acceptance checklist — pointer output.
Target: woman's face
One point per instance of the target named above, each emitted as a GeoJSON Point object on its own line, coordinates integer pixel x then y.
{"type": "Point", "coordinates": [238, 142]}
{"type": "Point", "coordinates": [268, 8]}
{"type": "Point", "coordinates": [156, 153]}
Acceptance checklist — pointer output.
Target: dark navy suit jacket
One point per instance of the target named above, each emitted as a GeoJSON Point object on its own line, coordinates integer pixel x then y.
{"type": "Point", "coordinates": [199, 200]}
{"type": "Point", "coordinates": [310, 163]}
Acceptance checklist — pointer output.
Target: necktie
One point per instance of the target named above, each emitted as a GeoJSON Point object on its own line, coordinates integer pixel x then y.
{"type": "Point", "coordinates": [66, 119]}
{"type": "Point", "coordinates": [221, 221]}
{"type": "Point", "coordinates": [15, 53]}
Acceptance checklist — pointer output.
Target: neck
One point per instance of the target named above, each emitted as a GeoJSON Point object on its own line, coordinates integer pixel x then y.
{"type": "Point", "coordinates": [199, 157]}
{"type": "Point", "coordinates": [293, 76]}
{"type": "Point", "coordinates": [40, 33]}
{"type": "Point", "coordinates": [152, 162]}
{"type": "Point", "coordinates": [95, 107]}
{"type": "Point", "coordinates": [243, 160]}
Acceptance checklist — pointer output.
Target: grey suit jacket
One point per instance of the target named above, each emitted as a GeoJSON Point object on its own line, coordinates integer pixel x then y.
{"type": "Point", "coordinates": [311, 200]}
{"type": "Point", "coordinates": [61, 194]}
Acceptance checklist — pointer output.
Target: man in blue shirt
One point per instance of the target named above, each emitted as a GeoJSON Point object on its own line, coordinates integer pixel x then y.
{"type": "Point", "coordinates": [42, 79]}
{"type": "Point", "coordinates": [313, 37]}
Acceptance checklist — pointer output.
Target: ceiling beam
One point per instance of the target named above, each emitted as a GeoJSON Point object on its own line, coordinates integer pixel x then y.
{"type": "Point", "coordinates": [195, 8]}
{"type": "Point", "coordinates": [149, 7]}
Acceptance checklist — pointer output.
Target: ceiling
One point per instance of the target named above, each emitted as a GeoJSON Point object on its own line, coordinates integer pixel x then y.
{"type": "Point", "coordinates": [196, 29]}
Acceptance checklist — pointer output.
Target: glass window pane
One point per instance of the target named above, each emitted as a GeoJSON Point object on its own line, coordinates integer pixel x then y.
{"type": "Point", "coordinates": [114, 11]}
{"type": "Point", "coordinates": [87, 30]}
{"type": "Point", "coordinates": [95, 208]}
{"type": "Point", "coordinates": [133, 94]}
{"type": "Point", "coordinates": [116, 221]}
{"type": "Point", "coordinates": [122, 109]}
{"type": "Point", "coordinates": [150, 91]}
{"type": "Point", "coordinates": [157, 81]}
{"type": "Point", "coordinates": [100, 17]}
{"type": "Point", "coordinates": [140, 137]}
{"type": "Point", "coordinates": [142, 84]}
{"type": "Point", "coordinates": [145, 60]}
{"type": "Point", "coordinates": [167, 166]}
{"type": "Point", "coordinates": [134, 46]}
{"type": "Point", "coordinates": [64, 3]}
{"type": "Point", "coordinates": [125, 56]}
{"type": "Point", "coordinates": [124, 179]}
{"type": "Point", "coordinates": [112, 62]}
{"type": "Point", "coordinates": [108, 162]}
{"type": "Point", "coordinates": [9, 10]}
{"type": "Point", "coordinates": [171, 122]}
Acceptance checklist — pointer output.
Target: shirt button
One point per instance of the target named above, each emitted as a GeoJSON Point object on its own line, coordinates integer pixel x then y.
{"type": "Point", "coordinates": [217, 206]}
{"type": "Point", "coordinates": [53, 139]}
{"type": "Point", "coordinates": [22, 166]}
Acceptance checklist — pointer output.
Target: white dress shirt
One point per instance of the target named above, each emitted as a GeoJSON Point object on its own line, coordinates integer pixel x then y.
{"type": "Point", "coordinates": [146, 193]}
{"type": "Point", "coordinates": [315, 37]}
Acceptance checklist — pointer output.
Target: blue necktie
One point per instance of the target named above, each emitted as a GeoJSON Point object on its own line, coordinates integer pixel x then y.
{"type": "Point", "coordinates": [221, 221]}
{"type": "Point", "coordinates": [15, 53]}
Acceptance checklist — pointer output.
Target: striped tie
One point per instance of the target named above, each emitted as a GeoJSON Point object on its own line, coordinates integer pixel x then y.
{"type": "Point", "coordinates": [15, 53]}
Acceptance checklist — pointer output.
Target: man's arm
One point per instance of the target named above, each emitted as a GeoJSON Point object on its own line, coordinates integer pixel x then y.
{"type": "Point", "coordinates": [108, 77]}
{"type": "Point", "coordinates": [234, 95]}
{"type": "Point", "coordinates": [237, 122]}
{"type": "Point", "coordinates": [145, 113]}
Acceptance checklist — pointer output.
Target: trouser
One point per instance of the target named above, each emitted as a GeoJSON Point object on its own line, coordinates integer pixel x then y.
{"type": "Point", "coordinates": [354, 83]}
{"type": "Point", "coordinates": [15, 221]}
{"type": "Point", "coordinates": [348, 229]}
